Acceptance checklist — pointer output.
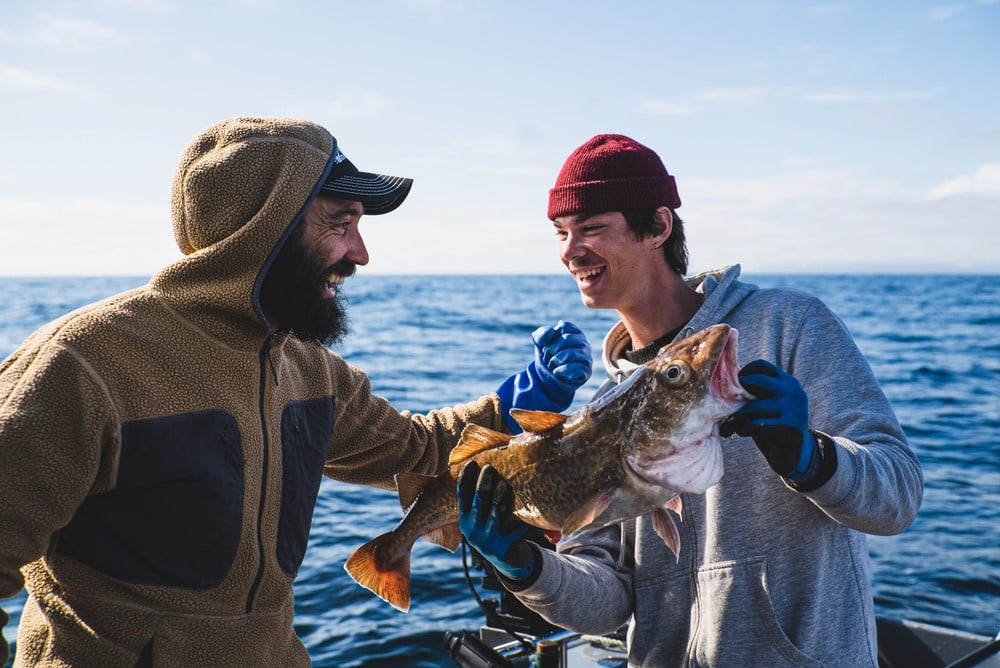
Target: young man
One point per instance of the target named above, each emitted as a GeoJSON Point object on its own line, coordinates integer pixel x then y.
{"type": "Point", "coordinates": [161, 451]}
{"type": "Point", "coordinates": [773, 567]}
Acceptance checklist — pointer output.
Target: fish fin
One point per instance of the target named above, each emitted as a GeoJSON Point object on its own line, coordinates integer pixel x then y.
{"type": "Point", "coordinates": [677, 505]}
{"type": "Point", "coordinates": [409, 486]}
{"type": "Point", "coordinates": [537, 420]}
{"type": "Point", "coordinates": [476, 439]}
{"type": "Point", "coordinates": [553, 535]}
{"type": "Point", "coordinates": [665, 528]}
{"type": "Point", "coordinates": [449, 536]}
{"type": "Point", "coordinates": [589, 511]}
{"type": "Point", "coordinates": [389, 581]}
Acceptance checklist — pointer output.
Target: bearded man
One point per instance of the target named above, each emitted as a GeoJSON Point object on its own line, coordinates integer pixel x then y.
{"type": "Point", "coordinates": [161, 451]}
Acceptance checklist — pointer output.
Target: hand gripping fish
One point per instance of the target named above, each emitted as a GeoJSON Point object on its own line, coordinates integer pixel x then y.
{"type": "Point", "coordinates": [633, 450]}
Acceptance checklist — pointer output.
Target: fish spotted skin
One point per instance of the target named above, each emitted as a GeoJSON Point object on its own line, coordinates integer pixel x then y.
{"type": "Point", "coordinates": [633, 450]}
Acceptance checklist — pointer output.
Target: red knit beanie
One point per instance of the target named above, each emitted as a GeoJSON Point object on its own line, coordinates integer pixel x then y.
{"type": "Point", "coordinates": [611, 173]}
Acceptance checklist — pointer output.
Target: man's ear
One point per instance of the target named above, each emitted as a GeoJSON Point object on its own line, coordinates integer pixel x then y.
{"type": "Point", "coordinates": [664, 220]}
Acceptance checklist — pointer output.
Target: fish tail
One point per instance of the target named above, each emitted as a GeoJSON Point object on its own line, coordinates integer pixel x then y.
{"type": "Point", "coordinates": [374, 568]}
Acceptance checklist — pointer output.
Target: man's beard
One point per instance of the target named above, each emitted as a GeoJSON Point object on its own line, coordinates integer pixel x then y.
{"type": "Point", "coordinates": [294, 295]}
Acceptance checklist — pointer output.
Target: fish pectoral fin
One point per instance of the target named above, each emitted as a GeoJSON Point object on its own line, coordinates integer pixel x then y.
{"type": "Point", "coordinates": [448, 536]}
{"type": "Point", "coordinates": [589, 511]}
{"type": "Point", "coordinates": [675, 504]}
{"type": "Point", "coordinates": [665, 528]}
{"type": "Point", "coordinates": [476, 439]}
{"type": "Point", "coordinates": [537, 420]}
{"type": "Point", "coordinates": [409, 486]}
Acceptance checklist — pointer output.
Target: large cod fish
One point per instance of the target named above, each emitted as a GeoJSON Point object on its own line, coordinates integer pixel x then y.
{"type": "Point", "coordinates": [633, 450]}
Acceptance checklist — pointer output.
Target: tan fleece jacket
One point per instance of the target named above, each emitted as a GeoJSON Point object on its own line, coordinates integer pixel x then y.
{"type": "Point", "coordinates": [161, 452]}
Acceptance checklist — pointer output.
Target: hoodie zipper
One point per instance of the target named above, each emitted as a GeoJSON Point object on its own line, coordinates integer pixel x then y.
{"type": "Point", "coordinates": [265, 359]}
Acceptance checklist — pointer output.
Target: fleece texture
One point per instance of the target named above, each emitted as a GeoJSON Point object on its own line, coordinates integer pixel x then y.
{"type": "Point", "coordinates": [161, 451]}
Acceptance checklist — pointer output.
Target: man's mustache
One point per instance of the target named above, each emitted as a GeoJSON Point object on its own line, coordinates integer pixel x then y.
{"type": "Point", "coordinates": [344, 268]}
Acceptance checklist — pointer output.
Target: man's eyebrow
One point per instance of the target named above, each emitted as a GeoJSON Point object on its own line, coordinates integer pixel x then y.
{"type": "Point", "coordinates": [574, 220]}
{"type": "Point", "coordinates": [345, 211]}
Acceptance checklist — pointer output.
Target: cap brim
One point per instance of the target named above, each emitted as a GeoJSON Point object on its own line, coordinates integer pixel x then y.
{"type": "Point", "coordinates": [378, 193]}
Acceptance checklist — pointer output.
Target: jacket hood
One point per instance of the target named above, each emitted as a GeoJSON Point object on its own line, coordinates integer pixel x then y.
{"type": "Point", "coordinates": [240, 187]}
{"type": "Point", "coordinates": [722, 291]}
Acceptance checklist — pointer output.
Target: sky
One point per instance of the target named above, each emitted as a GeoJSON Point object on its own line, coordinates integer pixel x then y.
{"type": "Point", "coordinates": [842, 136]}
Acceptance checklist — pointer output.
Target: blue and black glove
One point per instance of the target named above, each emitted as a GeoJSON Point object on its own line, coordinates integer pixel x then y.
{"type": "Point", "coordinates": [486, 519]}
{"type": "Point", "coordinates": [778, 421]}
{"type": "Point", "coordinates": [562, 364]}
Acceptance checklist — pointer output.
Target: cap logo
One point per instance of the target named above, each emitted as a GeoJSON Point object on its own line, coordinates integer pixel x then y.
{"type": "Point", "coordinates": [338, 157]}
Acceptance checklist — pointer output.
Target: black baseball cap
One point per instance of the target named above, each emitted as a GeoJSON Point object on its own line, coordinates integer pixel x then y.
{"type": "Point", "coordinates": [378, 193]}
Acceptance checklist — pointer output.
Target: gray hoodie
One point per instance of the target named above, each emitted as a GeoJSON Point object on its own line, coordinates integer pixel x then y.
{"type": "Point", "coordinates": [767, 576]}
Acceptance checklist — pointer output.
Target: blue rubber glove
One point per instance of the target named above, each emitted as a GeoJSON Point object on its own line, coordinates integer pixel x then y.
{"type": "Point", "coordinates": [562, 364]}
{"type": "Point", "coordinates": [777, 419]}
{"type": "Point", "coordinates": [486, 519]}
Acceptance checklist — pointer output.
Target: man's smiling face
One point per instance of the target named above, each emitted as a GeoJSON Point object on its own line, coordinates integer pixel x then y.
{"type": "Point", "coordinates": [611, 265]}
{"type": "Point", "coordinates": [301, 290]}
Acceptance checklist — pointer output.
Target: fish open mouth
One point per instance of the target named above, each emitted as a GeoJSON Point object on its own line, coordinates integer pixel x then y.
{"type": "Point", "coordinates": [725, 381]}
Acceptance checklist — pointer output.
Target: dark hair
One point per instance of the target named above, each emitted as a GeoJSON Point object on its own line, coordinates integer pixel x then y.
{"type": "Point", "coordinates": [643, 224]}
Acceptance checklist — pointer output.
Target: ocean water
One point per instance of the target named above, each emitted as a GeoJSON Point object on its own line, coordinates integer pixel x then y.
{"type": "Point", "coordinates": [933, 341]}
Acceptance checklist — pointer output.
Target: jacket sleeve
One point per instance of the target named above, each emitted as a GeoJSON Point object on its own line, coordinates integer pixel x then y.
{"type": "Point", "coordinates": [589, 565]}
{"type": "Point", "coordinates": [878, 484]}
{"type": "Point", "coordinates": [372, 441]}
{"type": "Point", "coordinates": [55, 421]}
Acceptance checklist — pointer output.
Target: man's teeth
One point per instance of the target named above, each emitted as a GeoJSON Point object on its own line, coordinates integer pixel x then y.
{"type": "Point", "coordinates": [333, 280]}
{"type": "Point", "coordinates": [588, 273]}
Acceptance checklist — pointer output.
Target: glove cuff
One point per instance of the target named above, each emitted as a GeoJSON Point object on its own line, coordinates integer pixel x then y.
{"type": "Point", "coordinates": [516, 573]}
{"type": "Point", "coordinates": [826, 457]}
{"type": "Point", "coordinates": [534, 569]}
{"type": "Point", "coordinates": [808, 464]}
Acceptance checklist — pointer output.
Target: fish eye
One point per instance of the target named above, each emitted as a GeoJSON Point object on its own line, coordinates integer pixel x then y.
{"type": "Point", "coordinates": [677, 373]}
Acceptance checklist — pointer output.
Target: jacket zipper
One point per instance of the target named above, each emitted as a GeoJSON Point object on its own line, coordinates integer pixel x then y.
{"type": "Point", "coordinates": [265, 445]}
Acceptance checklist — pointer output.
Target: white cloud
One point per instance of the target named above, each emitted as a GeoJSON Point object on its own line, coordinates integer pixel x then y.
{"type": "Point", "coordinates": [735, 97]}
{"type": "Point", "coordinates": [93, 208]}
{"type": "Point", "coordinates": [62, 32]}
{"type": "Point", "coordinates": [15, 77]}
{"type": "Point", "coordinates": [494, 145]}
{"type": "Point", "coordinates": [106, 236]}
{"type": "Point", "coordinates": [984, 181]}
{"type": "Point", "coordinates": [453, 6]}
{"type": "Point", "coordinates": [843, 95]}
{"type": "Point", "coordinates": [157, 6]}
{"type": "Point", "coordinates": [944, 12]}
{"type": "Point", "coordinates": [511, 171]}
{"type": "Point", "coordinates": [833, 220]}
{"type": "Point", "coordinates": [255, 5]}
{"type": "Point", "coordinates": [666, 108]}
{"type": "Point", "coordinates": [357, 103]}
{"type": "Point", "coordinates": [821, 188]}
{"type": "Point", "coordinates": [825, 11]}
{"type": "Point", "coordinates": [715, 97]}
